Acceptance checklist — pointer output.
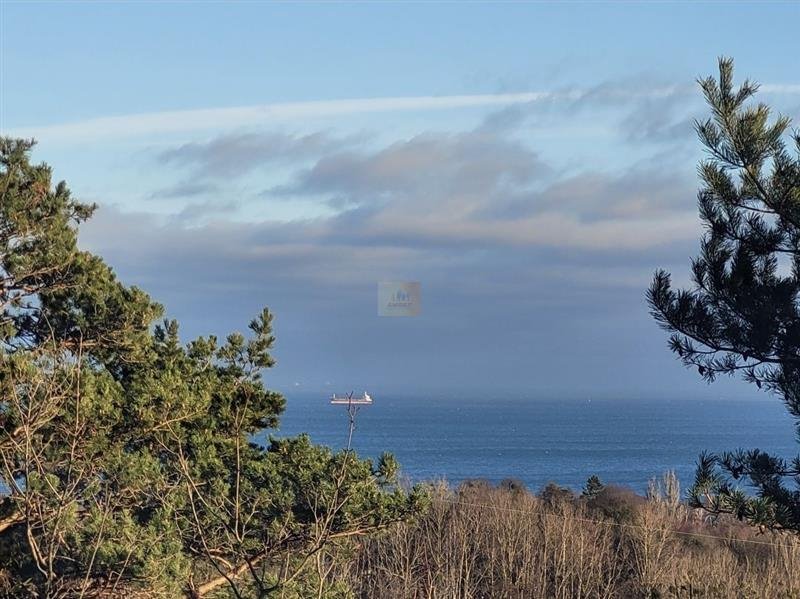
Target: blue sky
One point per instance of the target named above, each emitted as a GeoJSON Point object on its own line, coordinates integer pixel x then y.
{"type": "Point", "coordinates": [530, 164]}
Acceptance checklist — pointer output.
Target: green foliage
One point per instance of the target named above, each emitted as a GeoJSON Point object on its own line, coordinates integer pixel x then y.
{"type": "Point", "coordinates": [741, 315]}
{"type": "Point", "coordinates": [592, 487]}
{"type": "Point", "coordinates": [128, 461]}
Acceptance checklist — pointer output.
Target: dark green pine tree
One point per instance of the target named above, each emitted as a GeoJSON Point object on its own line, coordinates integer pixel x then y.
{"type": "Point", "coordinates": [741, 314]}
{"type": "Point", "coordinates": [593, 487]}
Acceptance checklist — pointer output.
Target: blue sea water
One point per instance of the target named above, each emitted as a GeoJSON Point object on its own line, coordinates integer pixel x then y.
{"type": "Point", "coordinates": [625, 442]}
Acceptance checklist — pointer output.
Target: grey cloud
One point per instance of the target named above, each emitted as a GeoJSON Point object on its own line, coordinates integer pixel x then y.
{"type": "Point", "coordinates": [481, 187]}
{"type": "Point", "coordinates": [236, 154]}
{"type": "Point", "coordinates": [476, 188]}
{"type": "Point", "coordinates": [322, 289]}
{"type": "Point", "coordinates": [651, 109]}
{"type": "Point", "coordinates": [613, 94]}
{"type": "Point", "coordinates": [633, 89]}
{"type": "Point", "coordinates": [197, 211]}
{"type": "Point", "coordinates": [659, 129]}
{"type": "Point", "coordinates": [670, 119]}
{"type": "Point", "coordinates": [428, 168]}
{"type": "Point", "coordinates": [185, 189]}
{"type": "Point", "coordinates": [663, 120]}
{"type": "Point", "coordinates": [506, 119]}
{"type": "Point", "coordinates": [640, 192]}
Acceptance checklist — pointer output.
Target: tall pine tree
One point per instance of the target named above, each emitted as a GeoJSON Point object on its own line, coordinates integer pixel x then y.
{"type": "Point", "coordinates": [741, 314]}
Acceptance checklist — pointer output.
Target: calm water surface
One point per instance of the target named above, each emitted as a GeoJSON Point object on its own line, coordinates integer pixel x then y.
{"type": "Point", "coordinates": [622, 441]}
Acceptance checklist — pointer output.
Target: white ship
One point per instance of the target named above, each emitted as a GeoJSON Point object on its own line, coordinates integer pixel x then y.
{"type": "Point", "coordinates": [349, 399]}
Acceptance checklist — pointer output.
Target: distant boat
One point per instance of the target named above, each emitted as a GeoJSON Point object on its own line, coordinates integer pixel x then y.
{"type": "Point", "coordinates": [364, 399]}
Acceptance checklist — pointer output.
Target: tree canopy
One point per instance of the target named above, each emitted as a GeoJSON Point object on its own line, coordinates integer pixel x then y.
{"type": "Point", "coordinates": [128, 461]}
{"type": "Point", "coordinates": [741, 314]}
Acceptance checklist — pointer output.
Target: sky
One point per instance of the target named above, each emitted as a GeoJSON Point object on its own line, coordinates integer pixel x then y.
{"type": "Point", "coordinates": [530, 164]}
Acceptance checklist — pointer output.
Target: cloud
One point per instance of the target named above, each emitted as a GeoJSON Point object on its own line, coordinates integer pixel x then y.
{"type": "Point", "coordinates": [429, 198]}
{"type": "Point", "coordinates": [641, 192]}
{"type": "Point", "coordinates": [138, 125]}
{"type": "Point", "coordinates": [549, 229]}
{"type": "Point", "coordinates": [663, 120]}
{"type": "Point", "coordinates": [504, 238]}
{"type": "Point", "coordinates": [197, 211]}
{"type": "Point", "coordinates": [649, 110]}
{"type": "Point", "coordinates": [482, 188]}
{"type": "Point", "coordinates": [571, 101]}
{"type": "Point", "coordinates": [209, 119]}
{"type": "Point", "coordinates": [232, 155]}
{"type": "Point", "coordinates": [433, 169]}
{"type": "Point", "coordinates": [486, 306]}
{"type": "Point", "coordinates": [185, 189]}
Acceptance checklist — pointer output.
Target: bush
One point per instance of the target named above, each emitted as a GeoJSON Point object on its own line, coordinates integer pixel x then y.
{"type": "Point", "coordinates": [620, 504]}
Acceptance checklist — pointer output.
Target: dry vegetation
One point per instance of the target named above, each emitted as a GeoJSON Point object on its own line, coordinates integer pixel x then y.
{"type": "Point", "coordinates": [480, 541]}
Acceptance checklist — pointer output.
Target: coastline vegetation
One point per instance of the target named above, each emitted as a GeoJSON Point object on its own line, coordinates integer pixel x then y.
{"type": "Point", "coordinates": [480, 540]}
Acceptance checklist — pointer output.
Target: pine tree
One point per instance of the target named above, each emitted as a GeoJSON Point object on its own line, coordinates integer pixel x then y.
{"type": "Point", "coordinates": [741, 314]}
{"type": "Point", "coordinates": [593, 487]}
{"type": "Point", "coordinates": [127, 461]}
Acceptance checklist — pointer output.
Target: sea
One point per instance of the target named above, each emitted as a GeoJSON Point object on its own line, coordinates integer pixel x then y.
{"type": "Point", "coordinates": [623, 441]}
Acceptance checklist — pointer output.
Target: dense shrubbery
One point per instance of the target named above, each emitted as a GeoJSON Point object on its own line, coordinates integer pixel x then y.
{"type": "Point", "coordinates": [479, 541]}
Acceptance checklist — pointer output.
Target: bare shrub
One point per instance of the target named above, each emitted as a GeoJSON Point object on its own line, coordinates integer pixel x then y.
{"type": "Point", "coordinates": [616, 503]}
{"type": "Point", "coordinates": [479, 541]}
